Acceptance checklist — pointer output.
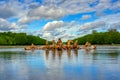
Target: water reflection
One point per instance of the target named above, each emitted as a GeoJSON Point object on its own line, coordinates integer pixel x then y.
{"type": "Point", "coordinates": [59, 53]}
{"type": "Point", "coordinates": [69, 53]}
{"type": "Point", "coordinates": [12, 55]}
{"type": "Point", "coordinates": [105, 56]}
{"type": "Point", "coordinates": [47, 54]}
{"type": "Point", "coordinates": [76, 64]}
{"type": "Point", "coordinates": [54, 54]}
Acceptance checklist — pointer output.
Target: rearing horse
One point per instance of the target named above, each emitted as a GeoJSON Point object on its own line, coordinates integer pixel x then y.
{"type": "Point", "coordinates": [53, 45]}
{"type": "Point", "coordinates": [75, 46]}
{"type": "Point", "coordinates": [69, 44]}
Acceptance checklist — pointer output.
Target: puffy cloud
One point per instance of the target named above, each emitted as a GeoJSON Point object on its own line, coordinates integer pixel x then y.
{"type": "Point", "coordinates": [47, 12]}
{"type": "Point", "coordinates": [93, 25]}
{"type": "Point", "coordinates": [58, 29]}
{"type": "Point", "coordinates": [33, 5]}
{"type": "Point", "coordinates": [6, 13]}
{"type": "Point", "coordinates": [12, 9]}
{"type": "Point", "coordinates": [115, 25]}
{"type": "Point", "coordinates": [73, 30]}
{"type": "Point", "coordinates": [28, 11]}
{"type": "Point", "coordinates": [53, 25]}
{"type": "Point", "coordinates": [53, 1]}
{"type": "Point", "coordinates": [41, 12]}
{"type": "Point", "coordinates": [104, 23]}
{"type": "Point", "coordinates": [76, 6]}
{"type": "Point", "coordinates": [47, 35]}
{"type": "Point", "coordinates": [6, 26]}
{"type": "Point", "coordinates": [115, 5]}
{"type": "Point", "coordinates": [54, 9]}
{"type": "Point", "coordinates": [103, 4]}
{"type": "Point", "coordinates": [26, 19]}
{"type": "Point", "coordinates": [84, 17]}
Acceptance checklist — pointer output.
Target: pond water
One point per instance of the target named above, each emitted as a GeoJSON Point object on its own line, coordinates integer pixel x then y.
{"type": "Point", "coordinates": [100, 64]}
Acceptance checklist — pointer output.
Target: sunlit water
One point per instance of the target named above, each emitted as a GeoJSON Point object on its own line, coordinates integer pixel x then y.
{"type": "Point", "coordinates": [100, 64]}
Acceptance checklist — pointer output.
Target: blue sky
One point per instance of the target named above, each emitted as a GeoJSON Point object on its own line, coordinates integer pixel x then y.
{"type": "Point", "coordinates": [53, 19]}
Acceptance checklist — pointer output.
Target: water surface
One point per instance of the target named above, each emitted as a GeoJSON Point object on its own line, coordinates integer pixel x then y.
{"type": "Point", "coordinates": [100, 64]}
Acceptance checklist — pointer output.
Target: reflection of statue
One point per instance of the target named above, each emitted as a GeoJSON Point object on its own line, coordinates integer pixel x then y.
{"type": "Point", "coordinates": [89, 51]}
{"type": "Point", "coordinates": [53, 54]}
{"type": "Point", "coordinates": [76, 53]}
{"type": "Point", "coordinates": [59, 53]}
{"type": "Point", "coordinates": [47, 54]}
{"type": "Point", "coordinates": [69, 53]}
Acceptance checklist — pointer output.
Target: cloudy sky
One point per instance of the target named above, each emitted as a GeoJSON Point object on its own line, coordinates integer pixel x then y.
{"type": "Point", "coordinates": [53, 19]}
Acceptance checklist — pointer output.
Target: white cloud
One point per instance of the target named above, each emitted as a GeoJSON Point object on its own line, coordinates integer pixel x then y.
{"type": "Point", "coordinates": [115, 25]}
{"type": "Point", "coordinates": [54, 10]}
{"type": "Point", "coordinates": [72, 30]}
{"type": "Point", "coordinates": [115, 5]}
{"type": "Point", "coordinates": [53, 25]}
{"type": "Point", "coordinates": [104, 23]}
{"type": "Point", "coordinates": [93, 25]}
{"type": "Point", "coordinates": [47, 12]}
{"type": "Point", "coordinates": [6, 13]}
{"type": "Point", "coordinates": [41, 12]}
{"type": "Point", "coordinates": [84, 17]}
{"type": "Point", "coordinates": [47, 35]}
{"type": "Point", "coordinates": [26, 19]}
{"type": "Point", "coordinates": [33, 5]}
{"type": "Point", "coordinates": [6, 26]}
{"type": "Point", "coordinates": [103, 4]}
{"type": "Point", "coordinates": [58, 29]}
{"type": "Point", "coordinates": [12, 9]}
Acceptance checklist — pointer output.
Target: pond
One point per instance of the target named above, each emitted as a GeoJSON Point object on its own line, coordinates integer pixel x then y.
{"type": "Point", "coordinates": [100, 64]}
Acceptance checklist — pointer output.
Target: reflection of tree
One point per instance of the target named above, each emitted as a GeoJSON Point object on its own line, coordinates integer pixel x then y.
{"type": "Point", "coordinates": [105, 56]}
{"type": "Point", "coordinates": [113, 55]}
{"type": "Point", "coordinates": [11, 55]}
{"type": "Point", "coordinates": [47, 54]}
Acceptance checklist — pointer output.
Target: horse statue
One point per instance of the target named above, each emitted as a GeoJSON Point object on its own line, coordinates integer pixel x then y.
{"type": "Point", "coordinates": [89, 46]}
{"type": "Point", "coordinates": [69, 46]}
{"type": "Point", "coordinates": [46, 46]}
{"type": "Point", "coordinates": [53, 46]}
{"type": "Point", "coordinates": [75, 45]}
{"type": "Point", "coordinates": [59, 44]}
{"type": "Point", "coordinates": [31, 47]}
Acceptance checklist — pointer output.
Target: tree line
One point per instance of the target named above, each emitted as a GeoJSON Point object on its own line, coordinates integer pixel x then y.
{"type": "Point", "coordinates": [110, 37]}
{"type": "Point", "coordinates": [9, 38]}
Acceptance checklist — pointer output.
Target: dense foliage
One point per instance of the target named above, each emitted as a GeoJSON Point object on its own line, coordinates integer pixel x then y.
{"type": "Point", "coordinates": [9, 38]}
{"type": "Point", "coordinates": [110, 37]}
